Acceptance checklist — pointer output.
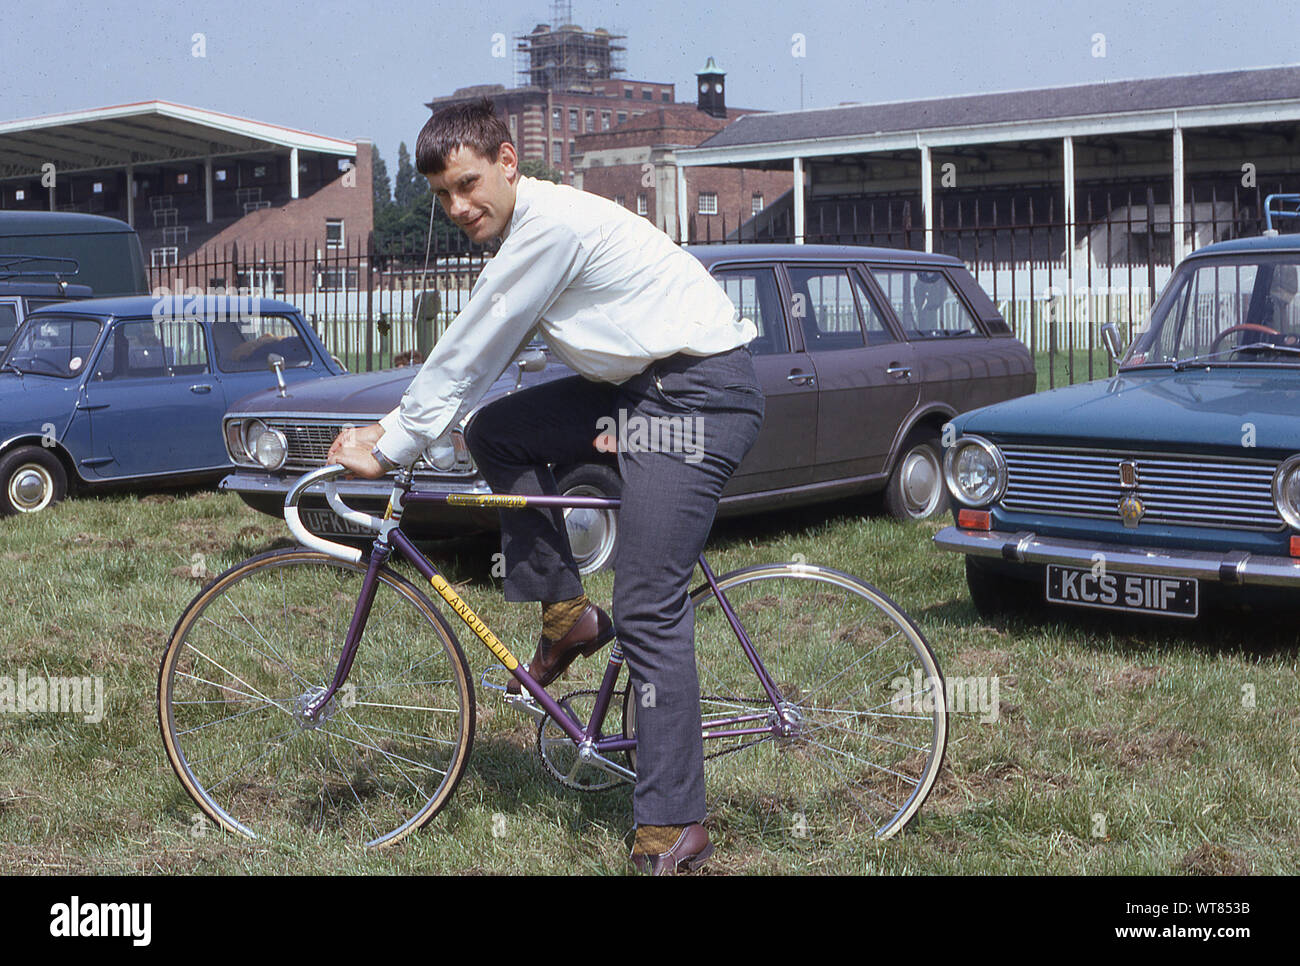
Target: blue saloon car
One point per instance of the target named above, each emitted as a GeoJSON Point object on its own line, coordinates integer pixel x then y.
{"type": "Point", "coordinates": [132, 390]}
{"type": "Point", "coordinates": [1173, 485]}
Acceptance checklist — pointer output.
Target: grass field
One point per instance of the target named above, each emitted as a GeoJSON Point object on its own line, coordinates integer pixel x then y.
{"type": "Point", "coordinates": [1115, 749]}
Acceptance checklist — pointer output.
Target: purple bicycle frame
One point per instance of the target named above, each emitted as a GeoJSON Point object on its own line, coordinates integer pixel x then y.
{"type": "Point", "coordinates": [729, 727]}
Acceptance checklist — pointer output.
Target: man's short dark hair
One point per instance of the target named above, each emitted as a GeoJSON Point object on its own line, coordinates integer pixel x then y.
{"type": "Point", "coordinates": [474, 125]}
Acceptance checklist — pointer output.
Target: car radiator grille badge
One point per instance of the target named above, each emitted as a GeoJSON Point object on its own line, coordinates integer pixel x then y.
{"type": "Point", "coordinates": [1131, 510]}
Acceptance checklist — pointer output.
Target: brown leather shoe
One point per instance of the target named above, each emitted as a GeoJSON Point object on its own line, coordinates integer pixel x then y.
{"type": "Point", "coordinates": [590, 632]}
{"type": "Point", "coordinates": [691, 850]}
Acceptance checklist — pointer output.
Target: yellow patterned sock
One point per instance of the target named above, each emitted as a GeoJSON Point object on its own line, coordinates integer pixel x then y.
{"type": "Point", "coordinates": [559, 617]}
{"type": "Point", "coordinates": [656, 839]}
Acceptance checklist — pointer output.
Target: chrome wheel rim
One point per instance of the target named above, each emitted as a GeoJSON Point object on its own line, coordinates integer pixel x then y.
{"type": "Point", "coordinates": [921, 481]}
{"type": "Point", "coordinates": [591, 532]}
{"type": "Point", "coordinates": [31, 488]}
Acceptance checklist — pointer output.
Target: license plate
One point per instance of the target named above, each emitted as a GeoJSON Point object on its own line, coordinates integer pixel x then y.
{"type": "Point", "coordinates": [1112, 590]}
{"type": "Point", "coordinates": [328, 523]}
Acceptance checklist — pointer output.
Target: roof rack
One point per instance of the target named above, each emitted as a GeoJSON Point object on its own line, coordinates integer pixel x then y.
{"type": "Point", "coordinates": [1270, 212]}
{"type": "Point", "coordinates": [14, 266]}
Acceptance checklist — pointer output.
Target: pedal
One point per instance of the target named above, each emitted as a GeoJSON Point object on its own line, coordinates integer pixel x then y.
{"type": "Point", "coordinates": [520, 702]}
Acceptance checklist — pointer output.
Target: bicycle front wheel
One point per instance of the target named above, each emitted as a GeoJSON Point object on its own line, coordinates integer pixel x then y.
{"type": "Point", "coordinates": [257, 646]}
{"type": "Point", "coordinates": [860, 730]}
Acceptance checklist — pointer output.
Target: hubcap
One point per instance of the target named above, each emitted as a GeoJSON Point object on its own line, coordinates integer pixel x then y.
{"type": "Point", "coordinates": [921, 481]}
{"type": "Point", "coordinates": [591, 532]}
{"type": "Point", "coordinates": [31, 488]}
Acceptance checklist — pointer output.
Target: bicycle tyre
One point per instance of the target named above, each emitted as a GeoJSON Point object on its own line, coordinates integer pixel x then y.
{"type": "Point", "coordinates": [798, 617]}
{"type": "Point", "coordinates": [251, 650]}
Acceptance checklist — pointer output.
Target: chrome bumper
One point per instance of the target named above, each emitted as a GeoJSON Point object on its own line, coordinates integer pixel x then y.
{"type": "Point", "coordinates": [1230, 568]}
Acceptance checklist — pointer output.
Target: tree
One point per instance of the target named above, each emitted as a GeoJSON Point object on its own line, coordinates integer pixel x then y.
{"type": "Point", "coordinates": [379, 176]}
{"type": "Point", "coordinates": [409, 184]}
{"type": "Point", "coordinates": [534, 168]}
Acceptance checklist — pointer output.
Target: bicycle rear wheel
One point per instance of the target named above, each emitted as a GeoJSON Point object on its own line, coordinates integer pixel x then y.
{"type": "Point", "coordinates": [861, 730]}
{"type": "Point", "coordinates": [257, 646]}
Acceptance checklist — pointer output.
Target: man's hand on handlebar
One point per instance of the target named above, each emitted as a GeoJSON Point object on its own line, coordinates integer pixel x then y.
{"type": "Point", "coordinates": [352, 449]}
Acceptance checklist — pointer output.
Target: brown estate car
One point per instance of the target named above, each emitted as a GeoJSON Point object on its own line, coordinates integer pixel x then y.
{"type": "Point", "coordinates": [863, 354]}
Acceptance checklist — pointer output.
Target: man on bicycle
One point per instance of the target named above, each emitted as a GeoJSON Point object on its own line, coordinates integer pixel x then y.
{"type": "Point", "coordinates": [655, 340]}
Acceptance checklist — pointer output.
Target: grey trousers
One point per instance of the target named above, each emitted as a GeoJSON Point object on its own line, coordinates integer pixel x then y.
{"type": "Point", "coordinates": [684, 424]}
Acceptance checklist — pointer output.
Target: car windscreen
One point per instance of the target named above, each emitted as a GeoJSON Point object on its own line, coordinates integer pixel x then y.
{"type": "Point", "coordinates": [8, 321]}
{"type": "Point", "coordinates": [52, 346]}
{"type": "Point", "coordinates": [1231, 311]}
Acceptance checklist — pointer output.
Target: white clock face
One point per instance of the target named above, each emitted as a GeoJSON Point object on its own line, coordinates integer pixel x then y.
{"type": "Point", "coordinates": [704, 88]}
{"type": "Point", "coordinates": [718, 88]}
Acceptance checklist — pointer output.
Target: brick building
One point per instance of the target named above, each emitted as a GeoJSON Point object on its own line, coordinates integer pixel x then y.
{"type": "Point", "coordinates": [568, 86]}
{"type": "Point", "coordinates": [635, 164]}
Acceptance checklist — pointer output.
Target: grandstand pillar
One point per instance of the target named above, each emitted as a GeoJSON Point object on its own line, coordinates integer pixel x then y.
{"type": "Point", "coordinates": [682, 211]}
{"type": "Point", "coordinates": [798, 201]}
{"type": "Point", "coordinates": [130, 195]}
{"type": "Point", "coordinates": [1176, 227]}
{"type": "Point", "coordinates": [927, 197]}
{"type": "Point", "coordinates": [207, 189]}
{"type": "Point", "coordinates": [293, 173]}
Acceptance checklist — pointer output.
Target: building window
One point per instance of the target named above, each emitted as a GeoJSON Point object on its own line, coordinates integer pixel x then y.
{"type": "Point", "coordinates": [182, 179]}
{"type": "Point", "coordinates": [344, 164]}
{"type": "Point", "coordinates": [514, 126]}
{"type": "Point", "coordinates": [641, 207]}
{"type": "Point", "coordinates": [219, 174]}
{"type": "Point", "coordinates": [647, 94]}
{"type": "Point", "coordinates": [604, 120]}
{"type": "Point", "coordinates": [97, 188]}
{"type": "Point", "coordinates": [591, 122]}
{"type": "Point", "coordinates": [557, 153]}
{"type": "Point", "coordinates": [708, 203]}
{"type": "Point", "coordinates": [333, 232]}
{"type": "Point", "coordinates": [259, 171]}
{"type": "Point", "coordinates": [622, 116]}
{"type": "Point", "coordinates": [573, 119]}
{"type": "Point", "coordinates": [342, 278]}
{"type": "Point", "coordinates": [573, 149]}
{"type": "Point", "coordinates": [627, 92]}
{"type": "Point", "coordinates": [20, 195]}
{"type": "Point", "coordinates": [557, 119]}
{"type": "Point", "coordinates": [620, 200]}
{"type": "Point", "coordinates": [756, 203]}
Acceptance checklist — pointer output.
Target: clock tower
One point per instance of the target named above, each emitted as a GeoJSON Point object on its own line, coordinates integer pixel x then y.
{"type": "Point", "coordinates": [711, 90]}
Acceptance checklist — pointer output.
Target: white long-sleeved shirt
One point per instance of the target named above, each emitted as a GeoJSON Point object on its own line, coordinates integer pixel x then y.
{"type": "Point", "coordinates": [609, 292]}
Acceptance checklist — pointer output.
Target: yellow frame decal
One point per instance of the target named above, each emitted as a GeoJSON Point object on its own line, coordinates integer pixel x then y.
{"type": "Point", "coordinates": [475, 623]}
{"type": "Point", "coordinates": [470, 499]}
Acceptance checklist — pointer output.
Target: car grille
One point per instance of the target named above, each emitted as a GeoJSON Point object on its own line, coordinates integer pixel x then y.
{"type": "Point", "coordinates": [1176, 490]}
{"type": "Point", "coordinates": [309, 444]}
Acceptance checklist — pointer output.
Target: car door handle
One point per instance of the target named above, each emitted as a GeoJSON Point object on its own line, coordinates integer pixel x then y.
{"type": "Point", "coordinates": [201, 388]}
{"type": "Point", "coordinates": [801, 378]}
{"type": "Point", "coordinates": [899, 372]}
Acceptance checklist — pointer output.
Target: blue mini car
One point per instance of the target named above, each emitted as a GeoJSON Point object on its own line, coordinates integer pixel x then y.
{"type": "Point", "coordinates": [132, 390]}
{"type": "Point", "coordinates": [1173, 485]}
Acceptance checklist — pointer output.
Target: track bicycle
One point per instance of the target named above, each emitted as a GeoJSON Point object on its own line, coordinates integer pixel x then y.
{"type": "Point", "coordinates": [314, 690]}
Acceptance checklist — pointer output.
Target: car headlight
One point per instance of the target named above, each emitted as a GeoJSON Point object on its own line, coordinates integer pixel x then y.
{"type": "Point", "coordinates": [252, 428]}
{"type": "Point", "coordinates": [1286, 491]}
{"type": "Point", "coordinates": [975, 472]}
{"type": "Point", "coordinates": [270, 448]}
{"type": "Point", "coordinates": [235, 441]}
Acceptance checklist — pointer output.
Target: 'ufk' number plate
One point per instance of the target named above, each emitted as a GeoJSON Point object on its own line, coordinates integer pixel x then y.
{"type": "Point", "coordinates": [327, 523]}
{"type": "Point", "coordinates": [1110, 590]}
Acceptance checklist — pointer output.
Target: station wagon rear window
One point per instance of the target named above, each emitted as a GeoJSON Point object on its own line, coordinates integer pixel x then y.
{"type": "Point", "coordinates": [246, 344]}
{"type": "Point", "coordinates": [925, 302]}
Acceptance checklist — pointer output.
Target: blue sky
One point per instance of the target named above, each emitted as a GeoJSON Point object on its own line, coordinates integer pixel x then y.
{"type": "Point", "coordinates": [363, 69]}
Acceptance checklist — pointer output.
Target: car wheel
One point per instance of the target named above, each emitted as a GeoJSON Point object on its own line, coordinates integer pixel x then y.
{"type": "Point", "coordinates": [915, 490]}
{"type": "Point", "coordinates": [997, 595]}
{"type": "Point", "coordinates": [31, 478]}
{"type": "Point", "coordinates": [593, 534]}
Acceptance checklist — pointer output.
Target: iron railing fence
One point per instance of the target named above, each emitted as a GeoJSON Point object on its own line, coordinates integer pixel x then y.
{"type": "Point", "coordinates": [1055, 282]}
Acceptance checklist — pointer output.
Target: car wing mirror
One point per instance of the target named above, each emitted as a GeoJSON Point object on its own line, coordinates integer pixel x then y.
{"type": "Point", "coordinates": [531, 360]}
{"type": "Point", "coordinates": [276, 363]}
{"type": "Point", "coordinates": [1114, 346]}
